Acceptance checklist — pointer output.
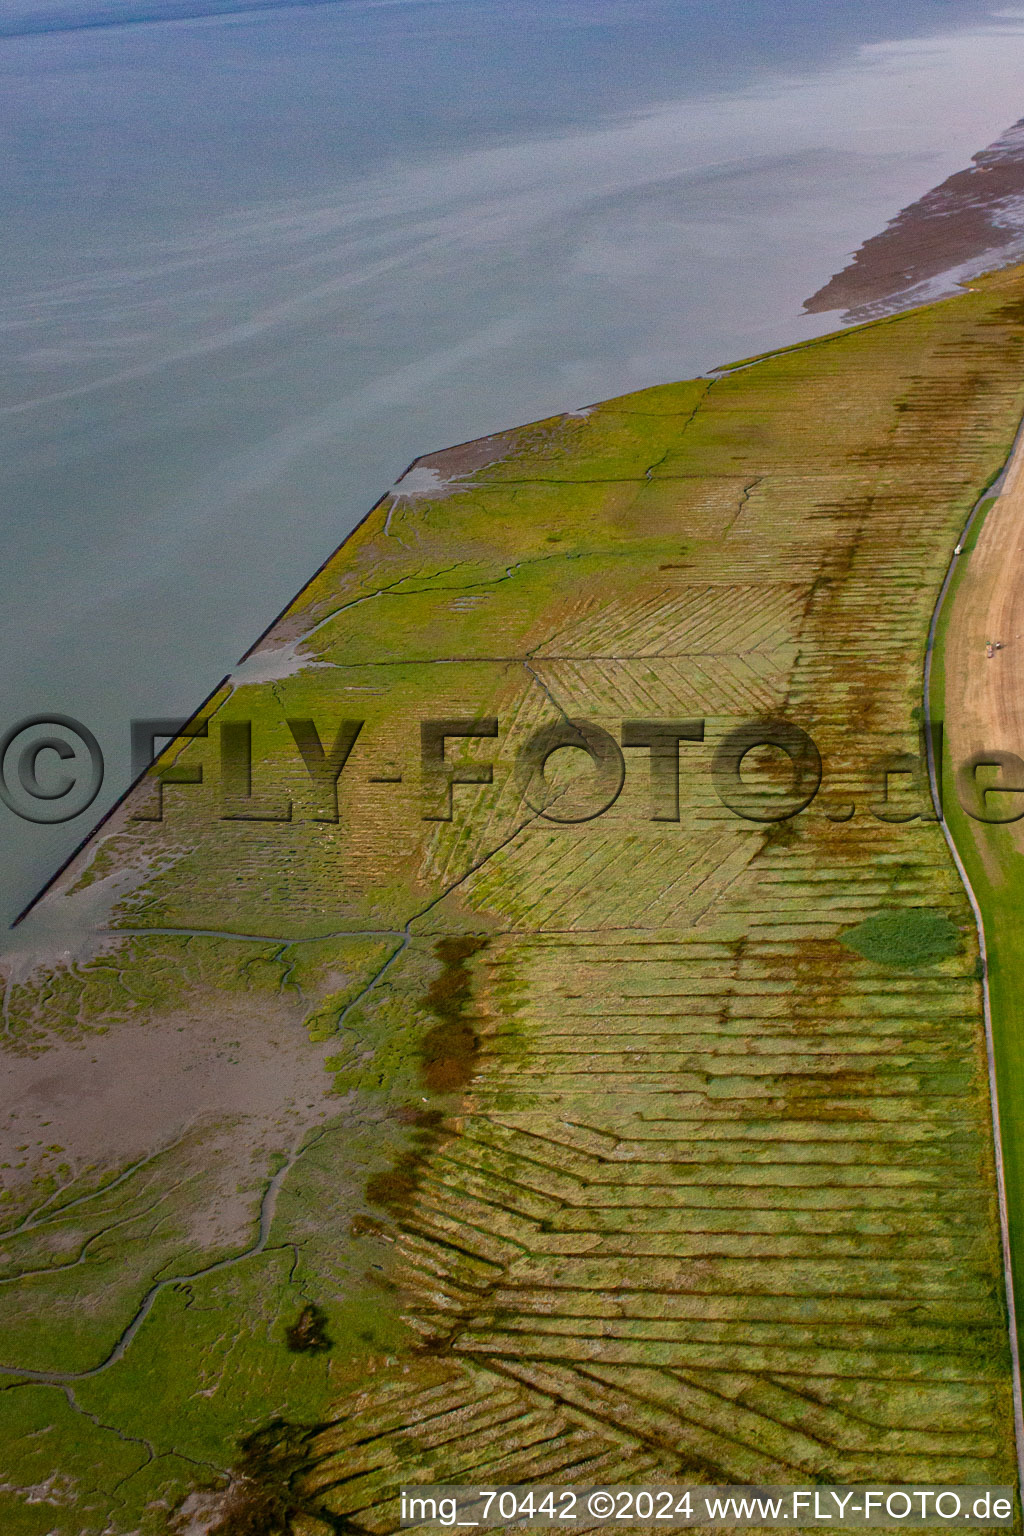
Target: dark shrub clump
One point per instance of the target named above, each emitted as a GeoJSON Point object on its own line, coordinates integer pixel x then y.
{"type": "Point", "coordinates": [911, 937]}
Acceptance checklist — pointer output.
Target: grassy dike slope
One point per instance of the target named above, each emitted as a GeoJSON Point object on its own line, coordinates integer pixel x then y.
{"type": "Point", "coordinates": [980, 699]}
{"type": "Point", "coordinates": [596, 1149]}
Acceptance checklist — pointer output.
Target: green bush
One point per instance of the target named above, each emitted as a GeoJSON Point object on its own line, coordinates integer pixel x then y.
{"type": "Point", "coordinates": [912, 937]}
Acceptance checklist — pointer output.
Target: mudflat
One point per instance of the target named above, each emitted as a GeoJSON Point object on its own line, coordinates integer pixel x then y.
{"type": "Point", "coordinates": [972, 221]}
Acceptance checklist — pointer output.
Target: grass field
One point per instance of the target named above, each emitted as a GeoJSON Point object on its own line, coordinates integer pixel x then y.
{"type": "Point", "coordinates": [618, 1147]}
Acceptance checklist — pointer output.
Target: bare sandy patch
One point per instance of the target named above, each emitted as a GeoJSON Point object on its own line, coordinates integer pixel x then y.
{"type": "Point", "coordinates": [984, 651]}
{"type": "Point", "coordinates": [272, 663]}
{"type": "Point", "coordinates": [226, 1087]}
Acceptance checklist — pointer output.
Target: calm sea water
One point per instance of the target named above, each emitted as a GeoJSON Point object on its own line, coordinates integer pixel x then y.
{"type": "Point", "coordinates": [254, 261]}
